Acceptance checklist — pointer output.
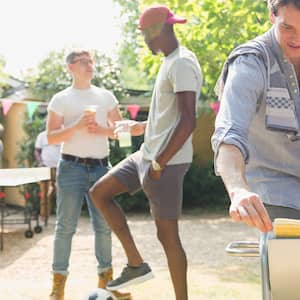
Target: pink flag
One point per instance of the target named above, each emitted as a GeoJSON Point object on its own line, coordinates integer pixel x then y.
{"type": "Point", "coordinates": [133, 110]}
{"type": "Point", "coordinates": [6, 105]}
{"type": "Point", "coordinates": [215, 106]}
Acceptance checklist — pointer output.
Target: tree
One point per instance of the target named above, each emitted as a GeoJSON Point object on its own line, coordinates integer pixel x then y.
{"type": "Point", "coordinates": [214, 28]}
{"type": "Point", "coordinates": [132, 73]}
{"type": "Point", "coordinates": [51, 75]}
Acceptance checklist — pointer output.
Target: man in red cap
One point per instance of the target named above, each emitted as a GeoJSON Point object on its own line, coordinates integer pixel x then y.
{"type": "Point", "coordinates": [160, 165]}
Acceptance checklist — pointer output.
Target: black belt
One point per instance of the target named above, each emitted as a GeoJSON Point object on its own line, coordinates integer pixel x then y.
{"type": "Point", "coordinates": [87, 160]}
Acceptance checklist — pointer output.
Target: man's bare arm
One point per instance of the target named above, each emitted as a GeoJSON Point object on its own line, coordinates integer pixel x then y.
{"type": "Point", "coordinates": [246, 206]}
{"type": "Point", "coordinates": [57, 133]}
{"type": "Point", "coordinates": [108, 131]}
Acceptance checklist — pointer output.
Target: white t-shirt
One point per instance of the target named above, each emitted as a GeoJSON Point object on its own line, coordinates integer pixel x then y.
{"type": "Point", "coordinates": [70, 104]}
{"type": "Point", "coordinates": [179, 72]}
{"type": "Point", "coordinates": [50, 153]}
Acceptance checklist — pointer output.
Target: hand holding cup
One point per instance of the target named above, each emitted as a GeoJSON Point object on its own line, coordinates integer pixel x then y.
{"type": "Point", "coordinates": [122, 131]}
{"type": "Point", "coordinates": [90, 114]}
{"type": "Point", "coordinates": [90, 110]}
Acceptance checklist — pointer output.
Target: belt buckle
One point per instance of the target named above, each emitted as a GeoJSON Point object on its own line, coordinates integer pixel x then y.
{"type": "Point", "coordinates": [86, 161]}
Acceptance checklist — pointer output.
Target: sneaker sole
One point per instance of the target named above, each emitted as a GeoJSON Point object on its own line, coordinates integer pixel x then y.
{"type": "Point", "coordinates": [121, 297]}
{"type": "Point", "coordinates": [133, 281]}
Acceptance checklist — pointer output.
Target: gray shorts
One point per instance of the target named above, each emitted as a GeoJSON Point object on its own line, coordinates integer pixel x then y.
{"type": "Point", "coordinates": [164, 194]}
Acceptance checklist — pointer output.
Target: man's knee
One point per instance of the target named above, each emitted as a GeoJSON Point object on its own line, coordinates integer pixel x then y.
{"type": "Point", "coordinates": [105, 189]}
{"type": "Point", "coordinates": [167, 232]}
{"type": "Point", "coordinates": [98, 194]}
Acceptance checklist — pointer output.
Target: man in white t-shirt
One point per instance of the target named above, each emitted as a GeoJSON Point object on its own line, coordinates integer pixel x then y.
{"type": "Point", "coordinates": [46, 155]}
{"type": "Point", "coordinates": [160, 165]}
{"type": "Point", "coordinates": [81, 118]}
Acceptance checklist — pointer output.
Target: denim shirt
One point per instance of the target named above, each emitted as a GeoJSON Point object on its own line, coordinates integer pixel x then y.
{"type": "Point", "coordinates": [246, 88]}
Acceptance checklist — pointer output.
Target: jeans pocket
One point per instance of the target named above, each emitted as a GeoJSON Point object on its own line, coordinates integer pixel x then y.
{"type": "Point", "coordinates": [64, 166]}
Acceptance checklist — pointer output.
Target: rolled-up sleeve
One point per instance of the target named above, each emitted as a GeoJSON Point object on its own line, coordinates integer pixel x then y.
{"type": "Point", "coordinates": [245, 85]}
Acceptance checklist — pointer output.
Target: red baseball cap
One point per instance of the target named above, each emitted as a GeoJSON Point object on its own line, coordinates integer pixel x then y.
{"type": "Point", "coordinates": [159, 14]}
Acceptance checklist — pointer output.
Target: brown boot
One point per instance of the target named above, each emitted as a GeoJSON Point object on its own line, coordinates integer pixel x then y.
{"type": "Point", "coordinates": [58, 287]}
{"type": "Point", "coordinates": [107, 276]}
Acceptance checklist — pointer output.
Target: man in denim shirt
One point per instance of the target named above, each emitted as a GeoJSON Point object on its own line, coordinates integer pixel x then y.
{"type": "Point", "coordinates": [256, 140]}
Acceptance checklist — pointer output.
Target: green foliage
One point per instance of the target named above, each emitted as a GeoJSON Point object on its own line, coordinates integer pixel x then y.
{"type": "Point", "coordinates": [214, 28]}
{"type": "Point", "coordinates": [32, 127]}
{"type": "Point", "coordinates": [132, 73]}
{"type": "Point", "coordinates": [107, 75]}
{"type": "Point", "coordinates": [130, 13]}
{"type": "Point", "coordinates": [51, 75]}
{"type": "Point", "coordinates": [25, 156]}
{"type": "Point", "coordinates": [203, 188]}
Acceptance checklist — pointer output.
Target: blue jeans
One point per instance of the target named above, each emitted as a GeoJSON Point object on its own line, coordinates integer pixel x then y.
{"type": "Point", "coordinates": [73, 182]}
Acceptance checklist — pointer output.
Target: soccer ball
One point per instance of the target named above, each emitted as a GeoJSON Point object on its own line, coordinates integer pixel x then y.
{"type": "Point", "coordinates": [101, 294]}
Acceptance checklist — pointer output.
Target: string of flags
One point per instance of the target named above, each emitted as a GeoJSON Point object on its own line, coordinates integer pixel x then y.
{"type": "Point", "coordinates": [133, 109]}
{"type": "Point", "coordinates": [215, 106]}
{"type": "Point", "coordinates": [31, 107]}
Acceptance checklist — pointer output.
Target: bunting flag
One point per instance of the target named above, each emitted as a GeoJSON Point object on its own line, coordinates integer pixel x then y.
{"type": "Point", "coordinates": [133, 110]}
{"type": "Point", "coordinates": [31, 108]}
{"type": "Point", "coordinates": [215, 106]}
{"type": "Point", "coordinates": [30, 105]}
{"type": "Point", "coordinates": [6, 105]}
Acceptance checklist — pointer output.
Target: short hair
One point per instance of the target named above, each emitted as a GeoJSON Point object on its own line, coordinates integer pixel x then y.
{"type": "Point", "coordinates": [70, 58]}
{"type": "Point", "coordinates": [275, 4]}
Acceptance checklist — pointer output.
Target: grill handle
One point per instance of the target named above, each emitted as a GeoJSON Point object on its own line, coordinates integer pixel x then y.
{"type": "Point", "coordinates": [243, 248]}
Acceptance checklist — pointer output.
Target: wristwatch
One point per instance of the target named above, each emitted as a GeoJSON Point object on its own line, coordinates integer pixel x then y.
{"type": "Point", "coordinates": [156, 166]}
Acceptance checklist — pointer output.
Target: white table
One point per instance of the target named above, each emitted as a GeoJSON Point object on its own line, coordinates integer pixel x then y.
{"type": "Point", "coordinates": [17, 177]}
{"type": "Point", "coordinates": [20, 176]}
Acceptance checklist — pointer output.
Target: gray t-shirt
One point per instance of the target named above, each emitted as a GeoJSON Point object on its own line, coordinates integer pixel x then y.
{"type": "Point", "coordinates": [179, 72]}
